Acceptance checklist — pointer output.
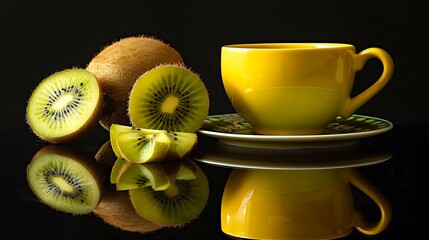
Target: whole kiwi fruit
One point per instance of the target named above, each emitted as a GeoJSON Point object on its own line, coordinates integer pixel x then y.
{"type": "Point", "coordinates": [118, 65]}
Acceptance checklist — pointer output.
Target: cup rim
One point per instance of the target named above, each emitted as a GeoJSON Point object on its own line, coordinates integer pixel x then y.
{"type": "Point", "coordinates": [289, 46]}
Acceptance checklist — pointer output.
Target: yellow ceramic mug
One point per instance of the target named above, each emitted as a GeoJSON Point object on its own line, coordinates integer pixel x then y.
{"type": "Point", "coordinates": [297, 88]}
{"type": "Point", "coordinates": [297, 204]}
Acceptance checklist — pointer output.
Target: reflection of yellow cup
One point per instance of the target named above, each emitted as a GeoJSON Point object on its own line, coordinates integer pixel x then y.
{"type": "Point", "coordinates": [297, 88]}
{"type": "Point", "coordinates": [297, 204]}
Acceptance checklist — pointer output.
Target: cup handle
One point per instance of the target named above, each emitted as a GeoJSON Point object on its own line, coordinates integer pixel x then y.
{"type": "Point", "coordinates": [384, 206]}
{"type": "Point", "coordinates": [351, 105]}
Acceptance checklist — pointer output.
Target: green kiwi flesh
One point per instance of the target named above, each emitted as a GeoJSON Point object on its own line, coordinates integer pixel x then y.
{"type": "Point", "coordinates": [65, 106]}
{"type": "Point", "coordinates": [181, 142]}
{"type": "Point", "coordinates": [182, 202]}
{"type": "Point", "coordinates": [138, 147]}
{"type": "Point", "coordinates": [119, 64]}
{"type": "Point", "coordinates": [65, 178]}
{"type": "Point", "coordinates": [143, 175]}
{"type": "Point", "coordinates": [169, 97]}
{"type": "Point", "coordinates": [114, 130]}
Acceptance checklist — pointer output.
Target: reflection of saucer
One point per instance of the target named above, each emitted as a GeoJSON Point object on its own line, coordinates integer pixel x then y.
{"type": "Point", "coordinates": [352, 155]}
{"type": "Point", "coordinates": [232, 129]}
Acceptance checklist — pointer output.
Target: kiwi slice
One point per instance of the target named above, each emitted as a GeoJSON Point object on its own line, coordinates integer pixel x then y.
{"type": "Point", "coordinates": [115, 209]}
{"type": "Point", "coordinates": [65, 178]}
{"type": "Point", "coordinates": [114, 130]}
{"type": "Point", "coordinates": [183, 142]}
{"type": "Point", "coordinates": [143, 175]}
{"type": "Point", "coordinates": [65, 106]}
{"type": "Point", "coordinates": [118, 65]}
{"type": "Point", "coordinates": [138, 147]}
{"type": "Point", "coordinates": [182, 202]}
{"type": "Point", "coordinates": [169, 97]}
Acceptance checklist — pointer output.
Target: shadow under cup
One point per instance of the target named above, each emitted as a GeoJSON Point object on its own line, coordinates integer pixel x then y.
{"type": "Point", "coordinates": [297, 204]}
{"type": "Point", "coordinates": [297, 88]}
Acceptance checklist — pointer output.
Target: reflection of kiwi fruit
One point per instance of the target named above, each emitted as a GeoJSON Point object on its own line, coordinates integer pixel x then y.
{"type": "Point", "coordinates": [143, 175]}
{"type": "Point", "coordinates": [117, 67]}
{"type": "Point", "coordinates": [115, 209]}
{"type": "Point", "coordinates": [169, 97]}
{"type": "Point", "coordinates": [65, 178]}
{"type": "Point", "coordinates": [180, 203]}
{"type": "Point", "coordinates": [65, 106]}
{"type": "Point", "coordinates": [118, 168]}
{"type": "Point", "coordinates": [105, 156]}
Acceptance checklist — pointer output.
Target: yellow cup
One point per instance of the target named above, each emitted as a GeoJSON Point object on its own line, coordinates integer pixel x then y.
{"type": "Point", "coordinates": [297, 88]}
{"type": "Point", "coordinates": [297, 204]}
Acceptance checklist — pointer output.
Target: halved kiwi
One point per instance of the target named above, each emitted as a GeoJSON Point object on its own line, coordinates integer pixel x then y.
{"type": "Point", "coordinates": [118, 65]}
{"type": "Point", "coordinates": [65, 178]}
{"type": "Point", "coordinates": [169, 97]}
{"type": "Point", "coordinates": [182, 202]}
{"type": "Point", "coordinates": [143, 175]}
{"type": "Point", "coordinates": [65, 106]}
{"type": "Point", "coordinates": [115, 209]}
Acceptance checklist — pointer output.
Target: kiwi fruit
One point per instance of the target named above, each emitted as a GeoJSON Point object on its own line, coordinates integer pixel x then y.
{"type": "Point", "coordinates": [114, 130]}
{"type": "Point", "coordinates": [65, 106]}
{"type": "Point", "coordinates": [115, 209]}
{"type": "Point", "coordinates": [143, 175]}
{"type": "Point", "coordinates": [138, 147]}
{"type": "Point", "coordinates": [181, 142]}
{"type": "Point", "coordinates": [118, 65]}
{"type": "Point", "coordinates": [182, 202]}
{"type": "Point", "coordinates": [65, 178]}
{"type": "Point", "coordinates": [169, 97]}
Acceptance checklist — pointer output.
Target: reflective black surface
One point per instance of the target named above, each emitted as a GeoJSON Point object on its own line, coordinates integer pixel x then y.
{"type": "Point", "coordinates": [396, 178]}
{"type": "Point", "coordinates": [41, 37]}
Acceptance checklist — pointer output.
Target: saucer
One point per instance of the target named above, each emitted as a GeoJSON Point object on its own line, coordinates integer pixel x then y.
{"type": "Point", "coordinates": [232, 129]}
{"type": "Point", "coordinates": [347, 156]}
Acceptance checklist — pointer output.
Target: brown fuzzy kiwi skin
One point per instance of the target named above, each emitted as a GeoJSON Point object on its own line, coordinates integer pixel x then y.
{"type": "Point", "coordinates": [78, 135]}
{"type": "Point", "coordinates": [115, 208]}
{"type": "Point", "coordinates": [118, 65]}
{"type": "Point", "coordinates": [79, 155]}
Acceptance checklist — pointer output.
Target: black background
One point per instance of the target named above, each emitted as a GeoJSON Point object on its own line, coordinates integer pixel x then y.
{"type": "Point", "coordinates": [42, 37]}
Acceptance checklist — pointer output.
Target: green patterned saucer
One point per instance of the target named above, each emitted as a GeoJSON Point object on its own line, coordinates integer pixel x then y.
{"type": "Point", "coordinates": [234, 130]}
